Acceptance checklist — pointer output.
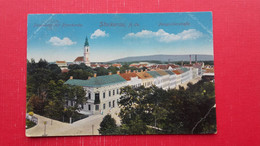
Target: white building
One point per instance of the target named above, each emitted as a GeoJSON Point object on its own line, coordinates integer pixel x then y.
{"type": "Point", "coordinates": [178, 76]}
{"type": "Point", "coordinates": [147, 79]}
{"type": "Point", "coordinates": [165, 79]}
{"type": "Point", "coordinates": [186, 75]}
{"type": "Point", "coordinates": [157, 78]}
{"type": "Point", "coordinates": [102, 93]}
{"type": "Point", "coordinates": [62, 64]}
{"type": "Point", "coordinates": [172, 79]}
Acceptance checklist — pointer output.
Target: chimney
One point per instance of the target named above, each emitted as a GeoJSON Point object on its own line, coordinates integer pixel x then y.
{"type": "Point", "coordinates": [110, 73]}
{"type": "Point", "coordinates": [89, 77]}
{"type": "Point", "coordinates": [95, 75]}
{"type": "Point", "coordinates": [190, 59]}
{"type": "Point", "coordinates": [118, 72]}
{"type": "Point", "coordinates": [71, 77]}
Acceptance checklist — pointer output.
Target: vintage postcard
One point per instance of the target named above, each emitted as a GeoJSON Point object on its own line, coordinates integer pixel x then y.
{"type": "Point", "coordinates": [120, 74]}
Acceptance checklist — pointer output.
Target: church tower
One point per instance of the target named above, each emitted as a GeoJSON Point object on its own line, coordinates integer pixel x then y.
{"type": "Point", "coordinates": [86, 52]}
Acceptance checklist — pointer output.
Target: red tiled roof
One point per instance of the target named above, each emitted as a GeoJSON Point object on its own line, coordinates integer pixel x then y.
{"type": "Point", "coordinates": [177, 72]}
{"type": "Point", "coordinates": [60, 61]}
{"type": "Point", "coordinates": [172, 65]}
{"type": "Point", "coordinates": [144, 75]}
{"type": "Point", "coordinates": [79, 59]}
{"type": "Point", "coordinates": [127, 76]}
{"type": "Point", "coordinates": [116, 65]}
{"type": "Point", "coordinates": [93, 65]}
{"type": "Point", "coordinates": [103, 65]}
{"type": "Point", "coordinates": [65, 70]}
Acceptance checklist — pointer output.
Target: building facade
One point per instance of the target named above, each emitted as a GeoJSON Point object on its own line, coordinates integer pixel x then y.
{"type": "Point", "coordinates": [102, 93]}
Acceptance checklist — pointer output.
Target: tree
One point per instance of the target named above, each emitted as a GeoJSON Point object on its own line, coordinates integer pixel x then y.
{"type": "Point", "coordinates": [35, 104]}
{"type": "Point", "coordinates": [101, 71]}
{"type": "Point", "coordinates": [113, 69]}
{"type": "Point", "coordinates": [108, 126]}
{"type": "Point", "coordinates": [154, 110]}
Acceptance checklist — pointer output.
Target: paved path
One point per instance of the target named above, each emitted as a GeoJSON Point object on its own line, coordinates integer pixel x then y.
{"type": "Point", "coordinates": [87, 126]}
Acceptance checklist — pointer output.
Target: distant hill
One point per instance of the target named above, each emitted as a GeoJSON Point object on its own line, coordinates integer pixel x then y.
{"type": "Point", "coordinates": [165, 58]}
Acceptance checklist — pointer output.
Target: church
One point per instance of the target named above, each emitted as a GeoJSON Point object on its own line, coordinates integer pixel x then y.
{"type": "Point", "coordinates": [84, 59]}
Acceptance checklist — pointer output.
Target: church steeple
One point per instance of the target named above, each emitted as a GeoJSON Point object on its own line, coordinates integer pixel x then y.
{"type": "Point", "coordinates": [86, 42]}
{"type": "Point", "coordinates": [86, 52]}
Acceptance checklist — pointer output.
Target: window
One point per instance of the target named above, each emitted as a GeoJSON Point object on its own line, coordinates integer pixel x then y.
{"type": "Point", "coordinates": [113, 103]}
{"type": "Point", "coordinates": [89, 95]}
{"type": "Point", "coordinates": [104, 95]}
{"type": "Point", "coordinates": [113, 92]}
{"type": "Point", "coordinates": [109, 93]}
{"type": "Point", "coordinates": [97, 100]}
{"type": "Point", "coordinates": [117, 91]}
{"type": "Point", "coordinates": [97, 107]}
{"type": "Point", "coordinates": [109, 104]}
{"type": "Point", "coordinates": [104, 106]}
{"type": "Point", "coordinates": [89, 107]}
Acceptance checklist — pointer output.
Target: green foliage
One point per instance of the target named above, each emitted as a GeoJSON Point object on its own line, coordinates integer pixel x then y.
{"type": "Point", "coordinates": [113, 69]}
{"type": "Point", "coordinates": [156, 111]}
{"type": "Point", "coordinates": [47, 94]}
{"type": "Point", "coordinates": [29, 124]}
{"type": "Point", "coordinates": [101, 71]}
{"type": "Point", "coordinates": [108, 126]}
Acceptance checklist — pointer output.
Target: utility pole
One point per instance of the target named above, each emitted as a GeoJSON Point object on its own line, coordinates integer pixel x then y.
{"type": "Point", "coordinates": [92, 129]}
{"type": "Point", "coordinates": [45, 123]}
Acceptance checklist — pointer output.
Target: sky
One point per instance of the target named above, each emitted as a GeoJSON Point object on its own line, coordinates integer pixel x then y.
{"type": "Point", "coordinates": [113, 36]}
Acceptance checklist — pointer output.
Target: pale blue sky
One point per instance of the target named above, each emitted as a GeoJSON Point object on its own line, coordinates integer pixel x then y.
{"type": "Point", "coordinates": [61, 36]}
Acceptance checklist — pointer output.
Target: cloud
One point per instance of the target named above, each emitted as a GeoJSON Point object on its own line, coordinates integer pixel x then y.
{"type": "Point", "coordinates": [56, 41]}
{"type": "Point", "coordinates": [162, 36]}
{"type": "Point", "coordinates": [99, 33]}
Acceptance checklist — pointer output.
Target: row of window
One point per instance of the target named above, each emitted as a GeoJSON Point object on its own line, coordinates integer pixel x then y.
{"type": "Point", "coordinates": [147, 84]}
{"type": "Point", "coordinates": [111, 104]}
{"type": "Point", "coordinates": [110, 93]}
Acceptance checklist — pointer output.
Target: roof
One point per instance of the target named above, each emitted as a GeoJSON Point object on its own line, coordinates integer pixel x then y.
{"type": "Point", "coordinates": [161, 72]}
{"type": "Point", "coordinates": [86, 42]}
{"type": "Point", "coordinates": [197, 65]}
{"type": "Point", "coordinates": [154, 74]}
{"type": "Point", "coordinates": [64, 70]}
{"type": "Point", "coordinates": [128, 76]}
{"type": "Point", "coordinates": [93, 65]}
{"type": "Point", "coordinates": [162, 66]}
{"type": "Point", "coordinates": [144, 75]}
{"type": "Point", "coordinates": [60, 61]}
{"type": "Point", "coordinates": [177, 72]}
{"type": "Point", "coordinates": [184, 69]}
{"type": "Point", "coordinates": [169, 72]}
{"type": "Point", "coordinates": [98, 81]}
{"type": "Point", "coordinates": [209, 70]}
{"type": "Point", "coordinates": [172, 66]}
{"type": "Point", "coordinates": [116, 65]}
{"type": "Point", "coordinates": [79, 59]}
